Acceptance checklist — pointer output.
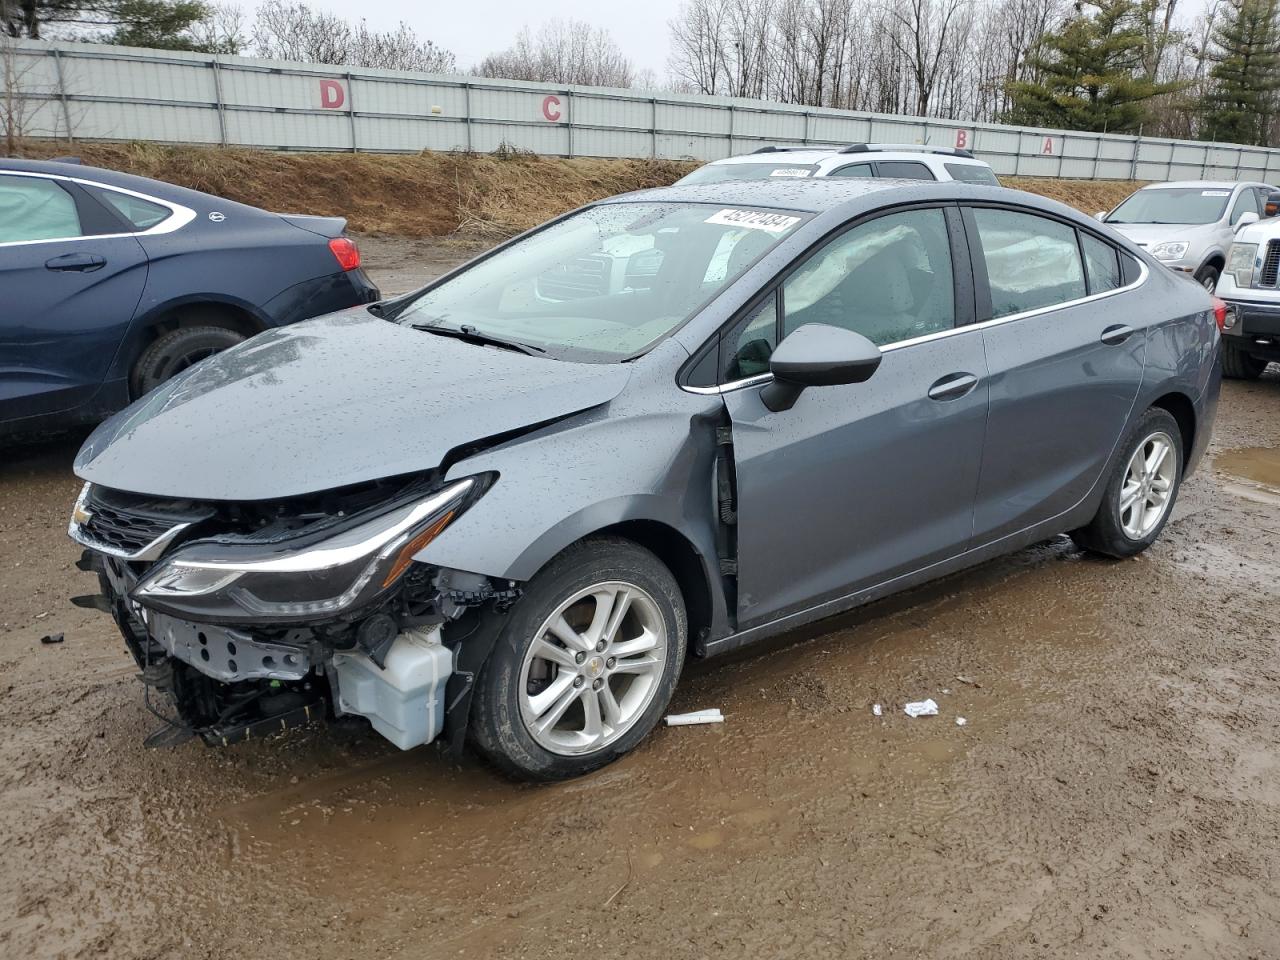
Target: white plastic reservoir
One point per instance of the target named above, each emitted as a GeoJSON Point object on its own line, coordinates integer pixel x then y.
{"type": "Point", "coordinates": [404, 701]}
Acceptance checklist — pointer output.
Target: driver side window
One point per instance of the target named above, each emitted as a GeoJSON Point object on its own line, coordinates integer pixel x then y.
{"type": "Point", "coordinates": [888, 279]}
{"type": "Point", "coordinates": [1247, 202]}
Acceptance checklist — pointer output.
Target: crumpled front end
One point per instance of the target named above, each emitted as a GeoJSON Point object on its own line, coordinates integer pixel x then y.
{"type": "Point", "coordinates": [247, 619]}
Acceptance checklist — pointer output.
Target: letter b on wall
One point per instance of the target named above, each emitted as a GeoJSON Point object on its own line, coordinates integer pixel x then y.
{"type": "Point", "coordinates": [332, 96]}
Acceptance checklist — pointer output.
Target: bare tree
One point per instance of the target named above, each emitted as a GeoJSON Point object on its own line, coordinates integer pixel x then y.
{"type": "Point", "coordinates": [562, 51]}
{"type": "Point", "coordinates": [294, 31]}
{"type": "Point", "coordinates": [27, 105]}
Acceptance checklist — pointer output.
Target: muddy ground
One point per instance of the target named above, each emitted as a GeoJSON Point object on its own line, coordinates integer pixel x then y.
{"type": "Point", "coordinates": [1115, 791]}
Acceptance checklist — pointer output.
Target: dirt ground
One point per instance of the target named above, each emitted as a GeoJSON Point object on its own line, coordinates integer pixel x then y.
{"type": "Point", "coordinates": [1115, 792]}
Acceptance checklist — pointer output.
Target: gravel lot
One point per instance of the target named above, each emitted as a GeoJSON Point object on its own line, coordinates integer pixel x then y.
{"type": "Point", "coordinates": [1114, 793]}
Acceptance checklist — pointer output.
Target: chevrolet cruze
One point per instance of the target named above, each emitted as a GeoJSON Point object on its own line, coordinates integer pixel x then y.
{"type": "Point", "coordinates": [506, 507]}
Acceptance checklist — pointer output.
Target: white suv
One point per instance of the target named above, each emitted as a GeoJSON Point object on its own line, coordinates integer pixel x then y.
{"type": "Point", "coordinates": [899, 160]}
{"type": "Point", "coordinates": [1250, 285]}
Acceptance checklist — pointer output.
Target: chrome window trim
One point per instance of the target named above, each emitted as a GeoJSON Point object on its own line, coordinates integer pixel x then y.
{"type": "Point", "coordinates": [1143, 273]}
{"type": "Point", "coordinates": [179, 216]}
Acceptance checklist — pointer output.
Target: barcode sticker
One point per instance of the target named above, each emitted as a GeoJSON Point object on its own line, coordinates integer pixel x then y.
{"type": "Point", "coordinates": [754, 220]}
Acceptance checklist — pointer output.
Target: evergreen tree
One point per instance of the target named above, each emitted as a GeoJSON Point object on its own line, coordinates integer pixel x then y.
{"type": "Point", "coordinates": [162, 24]}
{"type": "Point", "coordinates": [1091, 73]}
{"type": "Point", "coordinates": [1245, 77]}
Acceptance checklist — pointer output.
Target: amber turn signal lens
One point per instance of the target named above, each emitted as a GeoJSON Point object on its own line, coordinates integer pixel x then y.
{"type": "Point", "coordinates": [405, 557]}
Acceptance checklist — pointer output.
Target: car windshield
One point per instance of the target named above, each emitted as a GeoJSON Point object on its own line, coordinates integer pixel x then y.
{"type": "Point", "coordinates": [605, 283]}
{"type": "Point", "coordinates": [1173, 205]}
{"type": "Point", "coordinates": [720, 172]}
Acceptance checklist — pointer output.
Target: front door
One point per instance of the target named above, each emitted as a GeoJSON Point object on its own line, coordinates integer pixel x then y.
{"type": "Point", "coordinates": [66, 297]}
{"type": "Point", "coordinates": [858, 484]}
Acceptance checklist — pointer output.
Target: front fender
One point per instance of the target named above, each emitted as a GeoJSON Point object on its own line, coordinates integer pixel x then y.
{"type": "Point", "coordinates": [611, 465]}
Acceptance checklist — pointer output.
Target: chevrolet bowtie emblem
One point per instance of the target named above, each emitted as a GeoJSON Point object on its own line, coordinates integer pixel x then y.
{"type": "Point", "coordinates": [81, 514]}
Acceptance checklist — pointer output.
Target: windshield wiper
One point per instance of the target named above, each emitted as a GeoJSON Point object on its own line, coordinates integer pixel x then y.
{"type": "Point", "coordinates": [470, 334]}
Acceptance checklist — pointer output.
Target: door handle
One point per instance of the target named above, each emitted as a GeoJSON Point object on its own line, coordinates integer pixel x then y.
{"type": "Point", "coordinates": [1116, 334]}
{"type": "Point", "coordinates": [78, 262]}
{"type": "Point", "coordinates": [952, 386]}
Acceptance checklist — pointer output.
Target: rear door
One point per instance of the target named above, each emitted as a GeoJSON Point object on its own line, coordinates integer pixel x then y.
{"type": "Point", "coordinates": [857, 484]}
{"type": "Point", "coordinates": [1066, 360]}
{"type": "Point", "coordinates": [72, 278]}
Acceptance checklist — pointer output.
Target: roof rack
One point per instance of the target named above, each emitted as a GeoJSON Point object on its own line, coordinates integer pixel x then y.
{"type": "Point", "coordinates": [779, 149]}
{"type": "Point", "coordinates": [906, 148]}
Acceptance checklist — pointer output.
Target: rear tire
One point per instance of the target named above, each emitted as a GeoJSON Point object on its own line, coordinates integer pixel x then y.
{"type": "Point", "coordinates": [553, 703]}
{"type": "Point", "coordinates": [1239, 365]}
{"type": "Point", "coordinates": [173, 352]}
{"type": "Point", "coordinates": [1129, 519]}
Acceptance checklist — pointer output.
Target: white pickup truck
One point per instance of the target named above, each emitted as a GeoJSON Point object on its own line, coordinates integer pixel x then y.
{"type": "Point", "coordinates": [1250, 285]}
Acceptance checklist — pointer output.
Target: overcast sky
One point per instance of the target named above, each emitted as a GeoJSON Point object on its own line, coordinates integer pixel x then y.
{"type": "Point", "coordinates": [474, 28]}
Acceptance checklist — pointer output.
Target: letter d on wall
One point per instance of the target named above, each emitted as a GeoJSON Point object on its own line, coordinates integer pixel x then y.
{"type": "Point", "coordinates": [332, 96]}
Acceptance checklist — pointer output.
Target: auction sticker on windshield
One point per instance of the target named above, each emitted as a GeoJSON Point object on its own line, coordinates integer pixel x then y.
{"type": "Point", "coordinates": [754, 220]}
{"type": "Point", "coordinates": [790, 172]}
{"type": "Point", "coordinates": [1215, 193]}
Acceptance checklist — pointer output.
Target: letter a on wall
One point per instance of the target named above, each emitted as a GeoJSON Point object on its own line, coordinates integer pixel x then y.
{"type": "Point", "coordinates": [1047, 149]}
{"type": "Point", "coordinates": [332, 96]}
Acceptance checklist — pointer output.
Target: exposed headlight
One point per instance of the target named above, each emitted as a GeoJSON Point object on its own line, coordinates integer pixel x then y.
{"type": "Point", "coordinates": [1170, 249]}
{"type": "Point", "coordinates": [1240, 263]}
{"type": "Point", "coordinates": [296, 582]}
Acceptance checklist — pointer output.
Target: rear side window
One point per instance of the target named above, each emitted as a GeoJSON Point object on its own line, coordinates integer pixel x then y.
{"type": "Point", "coordinates": [971, 173]}
{"type": "Point", "coordinates": [32, 208]}
{"type": "Point", "coordinates": [1032, 261]}
{"type": "Point", "coordinates": [143, 214]}
{"type": "Point", "coordinates": [853, 170]}
{"type": "Point", "coordinates": [1100, 263]}
{"type": "Point", "coordinates": [904, 170]}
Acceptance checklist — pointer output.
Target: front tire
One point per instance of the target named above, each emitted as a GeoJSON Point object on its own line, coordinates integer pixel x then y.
{"type": "Point", "coordinates": [1239, 365]}
{"type": "Point", "coordinates": [585, 665]}
{"type": "Point", "coordinates": [1141, 490]}
{"type": "Point", "coordinates": [1207, 277]}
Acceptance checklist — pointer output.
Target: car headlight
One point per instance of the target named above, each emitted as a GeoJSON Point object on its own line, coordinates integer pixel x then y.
{"type": "Point", "coordinates": [1170, 249]}
{"type": "Point", "coordinates": [298, 581]}
{"type": "Point", "coordinates": [1240, 262]}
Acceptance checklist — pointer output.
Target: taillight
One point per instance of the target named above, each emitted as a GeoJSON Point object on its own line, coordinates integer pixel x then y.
{"type": "Point", "coordinates": [346, 252]}
{"type": "Point", "coordinates": [1220, 312]}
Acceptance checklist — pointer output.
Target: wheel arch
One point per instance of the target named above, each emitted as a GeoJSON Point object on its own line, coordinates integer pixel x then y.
{"type": "Point", "coordinates": [1180, 407]}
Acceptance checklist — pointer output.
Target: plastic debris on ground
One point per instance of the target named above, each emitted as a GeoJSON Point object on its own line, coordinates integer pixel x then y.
{"type": "Point", "coordinates": [876, 711]}
{"type": "Point", "coordinates": [51, 638]}
{"type": "Point", "coordinates": [961, 721]}
{"type": "Point", "coordinates": [921, 708]}
{"type": "Point", "coordinates": [697, 716]}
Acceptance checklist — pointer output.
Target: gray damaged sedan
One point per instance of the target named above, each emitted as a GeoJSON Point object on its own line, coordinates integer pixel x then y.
{"type": "Point", "coordinates": [505, 508]}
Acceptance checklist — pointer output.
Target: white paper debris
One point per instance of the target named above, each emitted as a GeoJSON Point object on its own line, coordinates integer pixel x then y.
{"type": "Point", "coordinates": [961, 721]}
{"type": "Point", "coordinates": [921, 708]}
{"type": "Point", "coordinates": [697, 716]}
{"type": "Point", "coordinates": [876, 711]}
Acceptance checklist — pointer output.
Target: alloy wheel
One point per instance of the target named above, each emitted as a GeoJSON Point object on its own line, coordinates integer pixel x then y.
{"type": "Point", "coordinates": [593, 668]}
{"type": "Point", "coordinates": [1146, 492]}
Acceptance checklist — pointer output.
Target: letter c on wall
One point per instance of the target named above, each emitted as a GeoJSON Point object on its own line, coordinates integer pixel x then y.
{"type": "Point", "coordinates": [551, 108]}
{"type": "Point", "coordinates": [332, 96]}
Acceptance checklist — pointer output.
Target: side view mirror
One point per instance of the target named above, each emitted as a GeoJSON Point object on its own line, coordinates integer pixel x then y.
{"type": "Point", "coordinates": [1246, 219]}
{"type": "Point", "coordinates": [1101, 216]}
{"type": "Point", "coordinates": [817, 355]}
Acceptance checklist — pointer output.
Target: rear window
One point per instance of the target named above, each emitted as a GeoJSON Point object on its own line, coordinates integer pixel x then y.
{"type": "Point", "coordinates": [971, 173]}
{"type": "Point", "coordinates": [143, 214]}
{"type": "Point", "coordinates": [720, 172]}
{"type": "Point", "coordinates": [1032, 262]}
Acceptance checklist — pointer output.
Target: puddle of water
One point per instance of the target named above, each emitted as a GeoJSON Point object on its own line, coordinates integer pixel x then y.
{"type": "Point", "coordinates": [1258, 465]}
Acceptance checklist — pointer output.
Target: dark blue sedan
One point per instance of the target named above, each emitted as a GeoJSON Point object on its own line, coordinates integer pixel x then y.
{"type": "Point", "coordinates": [110, 284]}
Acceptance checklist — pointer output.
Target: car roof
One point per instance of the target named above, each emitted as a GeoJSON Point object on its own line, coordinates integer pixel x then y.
{"type": "Point", "coordinates": [813, 155]}
{"type": "Point", "coordinates": [842, 196]}
{"type": "Point", "coordinates": [1204, 184]}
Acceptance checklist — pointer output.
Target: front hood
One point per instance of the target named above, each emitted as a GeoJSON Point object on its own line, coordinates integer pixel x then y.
{"type": "Point", "coordinates": [334, 401]}
{"type": "Point", "coordinates": [1147, 234]}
